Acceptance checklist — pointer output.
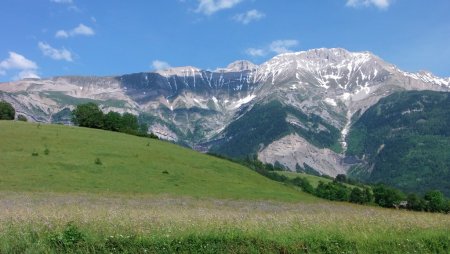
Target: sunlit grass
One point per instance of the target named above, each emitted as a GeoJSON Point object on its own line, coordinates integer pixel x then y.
{"type": "Point", "coordinates": [153, 220]}
{"type": "Point", "coordinates": [128, 165]}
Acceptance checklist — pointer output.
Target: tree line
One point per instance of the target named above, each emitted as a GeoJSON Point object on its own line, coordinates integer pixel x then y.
{"type": "Point", "coordinates": [337, 190]}
{"type": "Point", "coordinates": [91, 116]}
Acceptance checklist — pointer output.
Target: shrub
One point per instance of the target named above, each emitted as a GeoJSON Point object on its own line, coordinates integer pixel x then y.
{"type": "Point", "coordinates": [46, 151]}
{"type": "Point", "coordinates": [98, 161]}
{"type": "Point", "coordinates": [7, 111]}
{"type": "Point", "coordinates": [70, 238]}
{"type": "Point", "coordinates": [22, 118]}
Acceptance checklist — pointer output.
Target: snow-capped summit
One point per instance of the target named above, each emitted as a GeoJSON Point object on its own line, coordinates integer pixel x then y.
{"type": "Point", "coordinates": [180, 71]}
{"type": "Point", "coordinates": [241, 65]}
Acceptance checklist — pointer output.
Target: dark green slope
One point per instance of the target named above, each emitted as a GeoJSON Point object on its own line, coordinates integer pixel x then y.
{"type": "Point", "coordinates": [266, 122]}
{"type": "Point", "coordinates": [405, 137]}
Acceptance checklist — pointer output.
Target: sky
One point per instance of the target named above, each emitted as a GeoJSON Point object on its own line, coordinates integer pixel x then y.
{"type": "Point", "coordinates": [45, 38]}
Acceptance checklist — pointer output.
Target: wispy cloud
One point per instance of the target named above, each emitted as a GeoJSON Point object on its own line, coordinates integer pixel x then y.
{"type": "Point", "coordinates": [62, 1]}
{"type": "Point", "coordinates": [275, 47]}
{"type": "Point", "coordinates": [209, 7]}
{"type": "Point", "coordinates": [255, 52]}
{"type": "Point", "coordinates": [56, 54]}
{"type": "Point", "coordinates": [15, 61]}
{"type": "Point", "coordinates": [381, 4]}
{"type": "Point", "coordinates": [283, 46]}
{"type": "Point", "coordinates": [249, 16]}
{"type": "Point", "coordinates": [160, 65]}
{"type": "Point", "coordinates": [79, 30]}
{"type": "Point", "coordinates": [26, 74]}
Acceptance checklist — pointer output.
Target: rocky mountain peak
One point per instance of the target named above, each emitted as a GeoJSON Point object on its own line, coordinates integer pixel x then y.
{"type": "Point", "coordinates": [241, 65]}
{"type": "Point", "coordinates": [180, 71]}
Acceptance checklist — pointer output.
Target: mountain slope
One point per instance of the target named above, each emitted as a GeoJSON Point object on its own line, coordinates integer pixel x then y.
{"type": "Point", "coordinates": [129, 165]}
{"type": "Point", "coordinates": [320, 90]}
{"type": "Point", "coordinates": [404, 141]}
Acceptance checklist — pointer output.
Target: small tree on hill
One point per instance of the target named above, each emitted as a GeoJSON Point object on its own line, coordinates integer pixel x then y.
{"type": "Point", "coordinates": [7, 111]}
{"type": "Point", "coordinates": [435, 201]}
{"type": "Point", "coordinates": [129, 123]}
{"type": "Point", "coordinates": [357, 196]}
{"type": "Point", "coordinates": [112, 121]}
{"type": "Point", "coordinates": [386, 196]}
{"type": "Point", "coordinates": [341, 178]}
{"type": "Point", "coordinates": [88, 115]}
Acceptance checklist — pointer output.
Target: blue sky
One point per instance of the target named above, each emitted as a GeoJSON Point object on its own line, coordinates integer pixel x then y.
{"type": "Point", "coordinates": [85, 37]}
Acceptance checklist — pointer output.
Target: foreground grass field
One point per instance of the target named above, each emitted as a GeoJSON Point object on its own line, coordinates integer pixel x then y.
{"type": "Point", "coordinates": [149, 196]}
{"type": "Point", "coordinates": [55, 158]}
{"type": "Point", "coordinates": [38, 223]}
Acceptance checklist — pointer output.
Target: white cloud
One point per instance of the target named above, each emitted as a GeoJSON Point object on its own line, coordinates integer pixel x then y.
{"type": "Point", "coordinates": [62, 1]}
{"type": "Point", "coordinates": [26, 74]}
{"type": "Point", "coordinates": [255, 52]}
{"type": "Point", "coordinates": [249, 16]}
{"type": "Point", "coordinates": [381, 4]}
{"type": "Point", "coordinates": [56, 54]}
{"type": "Point", "coordinates": [82, 30]}
{"type": "Point", "coordinates": [160, 65]}
{"type": "Point", "coordinates": [209, 7]}
{"type": "Point", "coordinates": [275, 47]}
{"type": "Point", "coordinates": [282, 46]}
{"type": "Point", "coordinates": [61, 34]}
{"type": "Point", "coordinates": [79, 30]}
{"type": "Point", "coordinates": [15, 61]}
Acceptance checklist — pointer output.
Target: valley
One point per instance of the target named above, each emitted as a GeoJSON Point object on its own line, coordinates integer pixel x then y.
{"type": "Point", "coordinates": [150, 196]}
{"type": "Point", "coordinates": [297, 109]}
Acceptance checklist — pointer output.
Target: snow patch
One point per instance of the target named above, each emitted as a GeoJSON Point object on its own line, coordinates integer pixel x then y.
{"type": "Point", "coordinates": [331, 102]}
{"type": "Point", "coordinates": [243, 101]}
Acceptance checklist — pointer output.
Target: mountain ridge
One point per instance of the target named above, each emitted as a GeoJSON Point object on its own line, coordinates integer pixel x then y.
{"type": "Point", "coordinates": [320, 91]}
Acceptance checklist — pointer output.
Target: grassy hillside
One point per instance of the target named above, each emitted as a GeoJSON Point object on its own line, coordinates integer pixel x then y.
{"type": "Point", "coordinates": [406, 138]}
{"type": "Point", "coordinates": [60, 201]}
{"type": "Point", "coordinates": [55, 158]}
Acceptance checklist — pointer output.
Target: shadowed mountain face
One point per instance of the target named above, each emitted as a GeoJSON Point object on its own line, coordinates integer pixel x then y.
{"type": "Point", "coordinates": [404, 141]}
{"type": "Point", "coordinates": [295, 109]}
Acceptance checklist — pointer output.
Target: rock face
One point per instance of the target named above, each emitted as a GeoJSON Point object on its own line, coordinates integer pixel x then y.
{"type": "Point", "coordinates": [294, 151]}
{"type": "Point", "coordinates": [321, 91]}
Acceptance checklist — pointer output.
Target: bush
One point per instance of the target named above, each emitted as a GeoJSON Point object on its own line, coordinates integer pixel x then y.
{"type": "Point", "coordinates": [387, 196]}
{"type": "Point", "coordinates": [7, 111]}
{"type": "Point", "coordinates": [98, 161]}
{"type": "Point", "coordinates": [333, 191]}
{"type": "Point", "coordinates": [304, 184]}
{"type": "Point", "coordinates": [22, 118]}
{"type": "Point", "coordinates": [70, 238]}
{"type": "Point", "coordinates": [435, 201]}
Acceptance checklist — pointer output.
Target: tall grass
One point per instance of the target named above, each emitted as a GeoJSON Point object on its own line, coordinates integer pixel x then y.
{"type": "Point", "coordinates": [48, 222]}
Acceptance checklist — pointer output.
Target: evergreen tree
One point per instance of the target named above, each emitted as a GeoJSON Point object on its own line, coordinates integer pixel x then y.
{"type": "Point", "coordinates": [7, 111]}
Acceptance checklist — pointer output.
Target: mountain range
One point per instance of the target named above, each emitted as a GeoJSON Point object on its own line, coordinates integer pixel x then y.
{"type": "Point", "coordinates": [296, 110]}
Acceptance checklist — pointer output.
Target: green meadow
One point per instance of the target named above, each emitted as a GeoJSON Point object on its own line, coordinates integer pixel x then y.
{"type": "Point", "coordinates": [55, 158]}
{"type": "Point", "coordinates": [76, 190]}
